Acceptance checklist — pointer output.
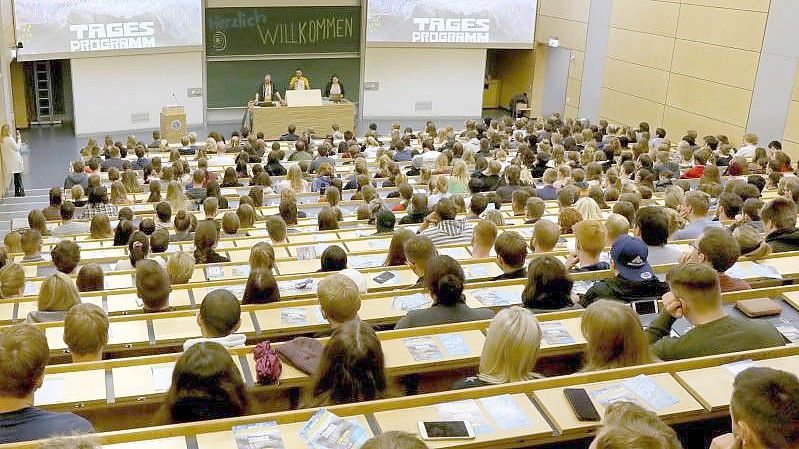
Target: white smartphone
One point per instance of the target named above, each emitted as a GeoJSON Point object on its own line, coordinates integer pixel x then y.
{"type": "Point", "coordinates": [645, 307]}
{"type": "Point", "coordinates": [446, 430]}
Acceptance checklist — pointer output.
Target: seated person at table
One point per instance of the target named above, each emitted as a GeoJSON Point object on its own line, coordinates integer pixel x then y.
{"type": "Point", "coordinates": [185, 147]}
{"type": "Point", "coordinates": [519, 203]}
{"type": "Point", "coordinates": [276, 228]}
{"type": "Point", "coordinates": [765, 409]}
{"type": "Point", "coordinates": [549, 286]}
{"type": "Point", "coordinates": [206, 384]}
{"type": "Point", "coordinates": [66, 256]}
{"type": "Point", "coordinates": [384, 222]}
{"type": "Point", "coordinates": [695, 294]}
{"type": "Point", "coordinates": [327, 219]}
{"type": "Point", "coordinates": [483, 239]}
{"type": "Point", "coordinates": [419, 250]}
{"type": "Point", "coordinates": [444, 281]}
{"type": "Point", "coordinates": [719, 249]}
{"type": "Point", "coordinates": [416, 210]}
{"type": "Point", "coordinates": [182, 223]}
{"type": "Point", "coordinates": [205, 240]}
{"type": "Point", "coordinates": [261, 288]}
{"type": "Point", "coordinates": [629, 426]}
{"type": "Point", "coordinates": [443, 228]}
{"type": "Point", "coordinates": [262, 257]}
{"type": "Point", "coordinates": [24, 352]}
{"type": "Point", "coordinates": [69, 226]}
{"type": "Point", "coordinates": [634, 278]}
{"type": "Point", "coordinates": [510, 350]}
{"type": "Point", "coordinates": [12, 280]}
{"type": "Point", "coordinates": [589, 241]}
{"type": "Point", "coordinates": [615, 337]}
{"type": "Point", "coordinates": [180, 267]}
{"type": "Point", "coordinates": [545, 236]}
{"type": "Point", "coordinates": [617, 225]}
{"type": "Point", "coordinates": [299, 81]}
{"type": "Point", "coordinates": [231, 225]}
{"type": "Point", "coordinates": [511, 252]}
{"type": "Point", "coordinates": [779, 221]}
{"type": "Point", "coordinates": [32, 246]}
{"type": "Point", "coordinates": [163, 213]}
{"type": "Point", "coordinates": [138, 250]}
{"type": "Point", "coordinates": [159, 242]}
{"type": "Point", "coordinates": [694, 209]}
{"type": "Point", "coordinates": [219, 319]}
{"type": "Point", "coordinates": [339, 299]}
{"type": "Point", "coordinates": [152, 286]}
{"type": "Point", "coordinates": [57, 295]}
{"type": "Point", "coordinates": [351, 368]}
{"type": "Point", "coordinates": [653, 228]}
{"type": "Point", "coordinates": [291, 136]}
{"type": "Point", "coordinates": [86, 332]}
{"type": "Point", "coordinates": [477, 205]}
{"type": "Point", "coordinates": [396, 249]}
{"type": "Point", "coordinates": [91, 278]}
{"type": "Point", "coordinates": [334, 258]}
{"type": "Point", "coordinates": [395, 439]}
{"type": "Point", "coordinates": [267, 91]}
{"type": "Point", "coordinates": [534, 209]}
{"type": "Point", "coordinates": [147, 226]}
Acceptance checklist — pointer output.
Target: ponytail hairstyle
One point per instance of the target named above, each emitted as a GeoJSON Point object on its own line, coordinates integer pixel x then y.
{"type": "Point", "coordinates": [138, 247]}
{"type": "Point", "coordinates": [122, 233]}
{"type": "Point", "coordinates": [444, 279]}
{"type": "Point", "coordinates": [205, 239]}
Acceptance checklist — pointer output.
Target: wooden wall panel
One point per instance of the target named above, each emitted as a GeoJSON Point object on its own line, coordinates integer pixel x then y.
{"type": "Point", "coordinates": [678, 121]}
{"type": "Point", "coordinates": [573, 93]}
{"type": "Point", "coordinates": [720, 26]}
{"type": "Point", "coordinates": [576, 65]}
{"type": "Point", "coordinates": [646, 16]}
{"type": "Point", "coordinates": [792, 123]}
{"type": "Point", "coordinates": [715, 63]}
{"type": "Point", "coordinates": [645, 49]}
{"type": "Point", "coordinates": [576, 10]}
{"type": "Point", "coordinates": [750, 5]}
{"type": "Point", "coordinates": [638, 80]}
{"type": "Point", "coordinates": [718, 101]}
{"type": "Point", "coordinates": [572, 34]}
{"type": "Point", "coordinates": [619, 107]}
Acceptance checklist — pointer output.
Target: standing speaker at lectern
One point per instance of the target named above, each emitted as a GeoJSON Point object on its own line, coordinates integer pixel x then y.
{"type": "Point", "coordinates": [267, 92]}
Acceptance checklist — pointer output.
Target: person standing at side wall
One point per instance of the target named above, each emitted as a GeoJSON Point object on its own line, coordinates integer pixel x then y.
{"type": "Point", "coordinates": [12, 160]}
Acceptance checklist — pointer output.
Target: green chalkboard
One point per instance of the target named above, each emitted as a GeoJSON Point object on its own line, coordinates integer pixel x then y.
{"type": "Point", "coordinates": [282, 30]}
{"type": "Point", "coordinates": [234, 83]}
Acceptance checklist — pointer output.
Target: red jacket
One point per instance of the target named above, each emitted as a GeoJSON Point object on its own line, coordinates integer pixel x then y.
{"type": "Point", "coordinates": [694, 172]}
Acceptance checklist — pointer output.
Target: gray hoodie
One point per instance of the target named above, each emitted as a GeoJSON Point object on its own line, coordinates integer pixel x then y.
{"type": "Point", "coordinates": [76, 178]}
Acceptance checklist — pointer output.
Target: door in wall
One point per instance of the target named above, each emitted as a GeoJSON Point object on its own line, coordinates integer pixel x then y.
{"type": "Point", "coordinates": [556, 77]}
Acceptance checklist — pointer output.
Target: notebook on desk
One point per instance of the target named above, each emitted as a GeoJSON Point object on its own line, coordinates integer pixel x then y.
{"type": "Point", "coordinates": [336, 98]}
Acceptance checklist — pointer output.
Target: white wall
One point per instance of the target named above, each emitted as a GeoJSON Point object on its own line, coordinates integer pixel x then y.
{"type": "Point", "coordinates": [108, 90]}
{"type": "Point", "coordinates": [452, 79]}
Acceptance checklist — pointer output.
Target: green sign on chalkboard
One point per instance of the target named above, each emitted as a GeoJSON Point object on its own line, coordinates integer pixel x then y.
{"type": "Point", "coordinates": [282, 30]}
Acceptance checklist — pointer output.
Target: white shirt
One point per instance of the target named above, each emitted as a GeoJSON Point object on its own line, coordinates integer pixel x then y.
{"type": "Point", "coordinates": [747, 151]}
{"type": "Point", "coordinates": [335, 89]}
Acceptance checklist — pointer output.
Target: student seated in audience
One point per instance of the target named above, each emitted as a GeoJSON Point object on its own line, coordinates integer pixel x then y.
{"type": "Point", "coordinates": [205, 240]}
{"type": "Point", "coordinates": [180, 267]}
{"type": "Point", "coordinates": [615, 337]}
{"type": "Point", "coordinates": [477, 205]}
{"type": "Point", "coordinates": [262, 257]}
{"type": "Point", "coordinates": [764, 410]}
{"type": "Point", "coordinates": [443, 228]}
{"type": "Point", "coordinates": [384, 222]}
{"type": "Point", "coordinates": [519, 203]}
{"type": "Point", "coordinates": [417, 211]}
{"type": "Point", "coordinates": [91, 278]}
{"type": "Point", "coordinates": [69, 226]}
{"type": "Point", "coordinates": [634, 278]}
{"type": "Point", "coordinates": [57, 295]}
{"type": "Point", "coordinates": [339, 299]}
{"type": "Point", "coordinates": [77, 177]}
{"type": "Point", "coordinates": [66, 256]}
{"type": "Point", "coordinates": [114, 161]}
{"type": "Point", "coordinates": [694, 209]}
{"type": "Point", "coordinates": [419, 250]}
{"type": "Point", "coordinates": [511, 252]}
{"type": "Point", "coordinates": [206, 384]}
{"type": "Point", "coordinates": [12, 280]}
{"type": "Point", "coordinates": [86, 332]}
{"type": "Point", "coordinates": [510, 350]}
{"type": "Point", "coordinates": [24, 352]}
{"type": "Point", "coordinates": [589, 241]}
{"type": "Point", "coordinates": [779, 220]}
{"type": "Point", "coordinates": [334, 258]}
{"type": "Point", "coordinates": [548, 192]}
{"type": "Point", "coordinates": [152, 286]}
{"type": "Point", "coordinates": [276, 228]}
{"type": "Point", "coordinates": [395, 439]}
{"type": "Point", "coordinates": [444, 280]}
{"type": "Point", "coordinates": [163, 213]}
{"type": "Point", "coordinates": [261, 287]}
{"type": "Point", "coordinates": [752, 244]}
{"type": "Point", "coordinates": [230, 226]}
{"type": "Point", "coordinates": [700, 159]}
{"type": "Point", "coordinates": [695, 294]}
{"type": "Point", "coordinates": [549, 286]}
{"type": "Point", "coordinates": [138, 250]}
{"type": "Point", "coordinates": [653, 228]}
{"type": "Point", "coordinates": [182, 223]}
{"type": "Point", "coordinates": [159, 242]}
{"type": "Point", "coordinates": [729, 206]}
{"type": "Point", "coordinates": [98, 204]}
{"type": "Point", "coordinates": [616, 226]}
{"type": "Point", "coordinates": [534, 210]}
{"type": "Point", "coordinates": [327, 219]}
{"type": "Point", "coordinates": [718, 248]}
{"type": "Point", "coordinates": [483, 239]}
{"type": "Point", "coordinates": [629, 426]}
{"type": "Point", "coordinates": [396, 248]}
{"type": "Point", "coordinates": [219, 319]}
{"type": "Point", "coordinates": [351, 369]}
{"type": "Point", "coordinates": [546, 235]}
{"type": "Point", "coordinates": [32, 246]}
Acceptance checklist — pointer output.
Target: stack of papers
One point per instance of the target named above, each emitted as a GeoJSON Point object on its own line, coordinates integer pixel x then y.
{"type": "Point", "coordinates": [466, 410]}
{"type": "Point", "coordinates": [305, 252]}
{"type": "Point", "coordinates": [641, 390]}
{"type": "Point", "coordinates": [505, 412]}
{"type": "Point", "coordinates": [555, 333]}
{"type": "Point", "coordinates": [327, 431]}
{"type": "Point", "coordinates": [423, 348]}
{"type": "Point", "coordinates": [214, 272]}
{"type": "Point", "coordinates": [410, 302]}
{"type": "Point", "coordinates": [294, 316]}
{"type": "Point", "coordinates": [265, 435]}
{"type": "Point", "coordinates": [241, 271]}
{"type": "Point", "coordinates": [496, 297]}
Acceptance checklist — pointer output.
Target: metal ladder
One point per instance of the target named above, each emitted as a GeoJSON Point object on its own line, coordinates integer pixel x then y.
{"type": "Point", "coordinates": [43, 90]}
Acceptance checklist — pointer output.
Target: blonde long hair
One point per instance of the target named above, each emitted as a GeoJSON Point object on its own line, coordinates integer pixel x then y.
{"type": "Point", "coordinates": [176, 198]}
{"type": "Point", "coordinates": [615, 337]}
{"type": "Point", "coordinates": [58, 294]}
{"type": "Point", "coordinates": [294, 176]}
{"type": "Point", "coordinates": [511, 347]}
{"type": "Point", "coordinates": [460, 173]}
{"type": "Point", "coordinates": [588, 208]}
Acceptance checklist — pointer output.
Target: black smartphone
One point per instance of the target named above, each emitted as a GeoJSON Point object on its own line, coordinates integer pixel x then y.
{"type": "Point", "coordinates": [645, 307]}
{"type": "Point", "coordinates": [581, 404]}
{"type": "Point", "coordinates": [384, 277]}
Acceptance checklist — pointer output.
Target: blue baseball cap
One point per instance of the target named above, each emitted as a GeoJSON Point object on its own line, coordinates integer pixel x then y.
{"type": "Point", "coordinates": [629, 254]}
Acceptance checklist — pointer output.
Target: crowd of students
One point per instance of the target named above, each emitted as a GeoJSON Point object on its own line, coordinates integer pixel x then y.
{"type": "Point", "coordinates": [470, 174]}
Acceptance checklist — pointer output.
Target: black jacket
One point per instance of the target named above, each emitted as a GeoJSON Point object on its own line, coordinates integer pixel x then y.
{"type": "Point", "coordinates": [784, 240]}
{"type": "Point", "coordinates": [625, 290]}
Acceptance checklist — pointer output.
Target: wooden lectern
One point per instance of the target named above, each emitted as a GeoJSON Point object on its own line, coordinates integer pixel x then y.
{"type": "Point", "coordinates": [173, 123]}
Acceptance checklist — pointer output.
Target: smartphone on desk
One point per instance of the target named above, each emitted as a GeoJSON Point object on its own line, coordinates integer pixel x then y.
{"type": "Point", "coordinates": [446, 430]}
{"type": "Point", "coordinates": [384, 277]}
{"type": "Point", "coordinates": [581, 404]}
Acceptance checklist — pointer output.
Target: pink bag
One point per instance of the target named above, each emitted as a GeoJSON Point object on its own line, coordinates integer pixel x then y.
{"type": "Point", "coordinates": [267, 364]}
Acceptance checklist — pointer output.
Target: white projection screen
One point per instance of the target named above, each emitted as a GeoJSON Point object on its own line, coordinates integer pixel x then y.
{"type": "Point", "coordinates": [451, 23]}
{"type": "Point", "coordinates": [66, 29]}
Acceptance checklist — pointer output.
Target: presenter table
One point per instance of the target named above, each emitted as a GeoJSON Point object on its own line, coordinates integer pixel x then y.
{"type": "Point", "coordinates": [274, 121]}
